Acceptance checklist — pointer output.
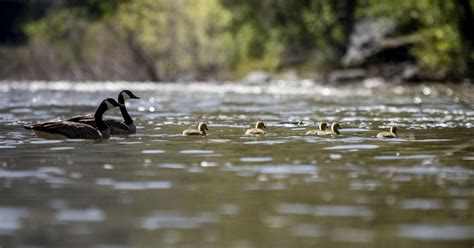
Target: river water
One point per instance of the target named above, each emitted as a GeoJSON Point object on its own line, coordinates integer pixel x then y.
{"type": "Point", "coordinates": [160, 189]}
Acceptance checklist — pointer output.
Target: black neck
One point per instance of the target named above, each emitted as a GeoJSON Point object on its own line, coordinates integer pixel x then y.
{"type": "Point", "coordinates": [101, 125]}
{"type": "Point", "coordinates": [126, 117]}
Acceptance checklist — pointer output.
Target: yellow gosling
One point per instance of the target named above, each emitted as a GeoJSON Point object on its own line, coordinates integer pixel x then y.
{"type": "Point", "coordinates": [258, 130]}
{"type": "Point", "coordinates": [334, 130]}
{"type": "Point", "coordinates": [391, 134]}
{"type": "Point", "coordinates": [202, 128]}
{"type": "Point", "coordinates": [322, 127]}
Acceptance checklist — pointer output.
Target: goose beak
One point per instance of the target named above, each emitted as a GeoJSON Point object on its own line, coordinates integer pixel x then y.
{"type": "Point", "coordinates": [132, 96]}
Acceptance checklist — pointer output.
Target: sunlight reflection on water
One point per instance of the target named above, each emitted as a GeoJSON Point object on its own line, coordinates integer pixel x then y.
{"type": "Point", "coordinates": [226, 189]}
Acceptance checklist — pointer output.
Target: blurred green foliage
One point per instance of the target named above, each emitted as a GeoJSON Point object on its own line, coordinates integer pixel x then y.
{"type": "Point", "coordinates": [435, 23]}
{"type": "Point", "coordinates": [203, 39]}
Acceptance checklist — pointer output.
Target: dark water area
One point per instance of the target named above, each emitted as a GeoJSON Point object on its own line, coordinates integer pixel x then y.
{"type": "Point", "coordinates": [160, 189]}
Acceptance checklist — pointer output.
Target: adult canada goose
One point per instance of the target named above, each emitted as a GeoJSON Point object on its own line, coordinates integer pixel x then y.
{"type": "Point", "coordinates": [258, 130]}
{"type": "Point", "coordinates": [391, 134]}
{"type": "Point", "coordinates": [117, 127]}
{"type": "Point", "coordinates": [202, 128]}
{"type": "Point", "coordinates": [76, 130]}
{"type": "Point", "coordinates": [322, 127]}
{"type": "Point", "coordinates": [334, 130]}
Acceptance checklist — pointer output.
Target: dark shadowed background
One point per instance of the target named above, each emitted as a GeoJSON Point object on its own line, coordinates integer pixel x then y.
{"type": "Point", "coordinates": [163, 40]}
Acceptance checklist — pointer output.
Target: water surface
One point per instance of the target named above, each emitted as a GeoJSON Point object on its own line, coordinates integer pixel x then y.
{"type": "Point", "coordinates": [160, 189]}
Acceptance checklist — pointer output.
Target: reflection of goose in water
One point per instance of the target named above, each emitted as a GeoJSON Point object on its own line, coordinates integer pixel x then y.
{"type": "Point", "coordinates": [202, 128]}
{"type": "Point", "coordinates": [391, 134]}
{"type": "Point", "coordinates": [322, 127]}
{"type": "Point", "coordinates": [117, 127]}
{"type": "Point", "coordinates": [76, 130]}
{"type": "Point", "coordinates": [258, 130]}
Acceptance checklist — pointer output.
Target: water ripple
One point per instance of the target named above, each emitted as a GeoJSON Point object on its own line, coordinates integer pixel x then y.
{"type": "Point", "coordinates": [142, 185]}
{"type": "Point", "coordinates": [11, 218]}
{"type": "Point", "coordinates": [256, 159]}
{"type": "Point", "coordinates": [80, 215]}
{"type": "Point", "coordinates": [275, 169]}
{"type": "Point", "coordinates": [175, 220]}
{"type": "Point", "coordinates": [352, 147]}
{"type": "Point", "coordinates": [434, 232]}
{"type": "Point", "coordinates": [196, 152]}
{"type": "Point", "coordinates": [153, 151]}
{"type": "Point", "coordinates": [325, 210]}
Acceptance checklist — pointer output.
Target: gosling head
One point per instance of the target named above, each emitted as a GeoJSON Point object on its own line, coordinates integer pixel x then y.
{"type": "Point", "coordinates": [393, 129]}
{"type": "Point", "coordinates": [323, 126]}
{"type": "Point", "coordinates": [110, 103]}
{"type": "Point", "coordinates": [260, 125]}
{"type": "Point", "coordinates": [203, 127]}
{"type": "Point", "coordinates": [335, 127]}
{"type": "Point", "coordinates": [126, 94]}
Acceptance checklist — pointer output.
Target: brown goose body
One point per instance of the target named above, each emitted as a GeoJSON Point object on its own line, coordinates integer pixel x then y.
{"type": "Point", "coordinates": [75, 130]}
{"type": "Point", "coordinates": [64, 130]}
{"type": "Point", "coordinates": [117, 127]}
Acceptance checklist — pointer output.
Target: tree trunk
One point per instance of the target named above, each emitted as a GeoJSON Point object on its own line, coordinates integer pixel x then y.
{"type": "Point", "coordinates": [466, 30]}
{"type": "Point", "coordinates": [142, 58]}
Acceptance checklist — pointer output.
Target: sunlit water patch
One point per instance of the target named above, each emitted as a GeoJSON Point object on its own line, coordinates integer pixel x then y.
{"type": "Point", "coordinates": [153, 151]}
{"type": "Point", "coordinates": [352, 147]}
{"type": "Point", "coordinates": [196, 152]}
{"type": "Point", "coordinates": [11, 219]}
{"type": "Point", "coordinates": [173, 220]}
{"type": "Point", "coordinates": [80, 215]}
{"type": "Point", "coordinates": [436, 232]}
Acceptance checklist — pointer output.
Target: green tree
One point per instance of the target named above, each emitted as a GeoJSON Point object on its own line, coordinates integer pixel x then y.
{"type": "Point", "coordinates": [298, 27]}
{"type": "Point", "coordinates": [444, 30]}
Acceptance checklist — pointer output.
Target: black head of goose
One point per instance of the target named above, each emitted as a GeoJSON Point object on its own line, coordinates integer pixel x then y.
{"type": "Point", "coordinates": [117, 127]}
{"type": "Point", "coordinates": [76, 130]}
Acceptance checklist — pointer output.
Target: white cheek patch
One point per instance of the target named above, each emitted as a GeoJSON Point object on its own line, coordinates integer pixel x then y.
{"type": "Point", "coordinates": [125, 96]}
{"type": "Point", "coordinates": [109, 105]}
